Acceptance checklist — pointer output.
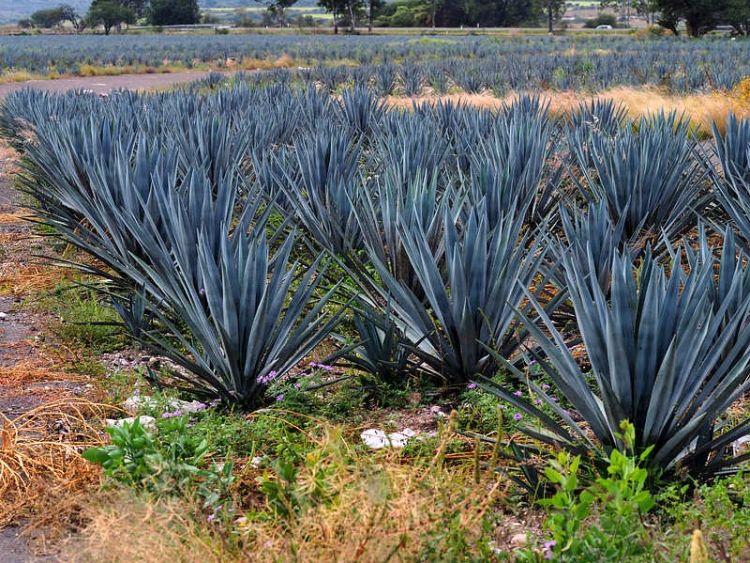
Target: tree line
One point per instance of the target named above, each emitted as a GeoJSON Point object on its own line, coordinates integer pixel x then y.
{"type": "Point", "coordinates": [697, 17]}
{"type": "Point", "coordinates": [112, 14]}
{"type": "Point", "coordinates": [441, 13]}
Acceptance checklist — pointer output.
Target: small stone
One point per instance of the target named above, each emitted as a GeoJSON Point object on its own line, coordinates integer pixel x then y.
{"type": "Point", "coordinates": [518, 541]}
{"type": "Point", "coordinates": [148, 422]}
{"type": "Point", "coordinates": [3, 316]}
{"type": "Point", "coordinates": [377, 439]}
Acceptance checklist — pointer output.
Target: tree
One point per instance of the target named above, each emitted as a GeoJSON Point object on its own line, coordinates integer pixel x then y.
{"type": "Point", "coordinates": [140, 7]}
{"type": "Point", "coordinates": [174, 12]}
{"type": "Point", "coordinates": [737, 14]}
{"type": "Point", "coordinates": [109, 14]}
{"type": "Point", "coordinates": [554, 10]}
{"type": "Point", "coordinates": [277, 9]}
{"type": "Point", "coordinates": [601, 19]}
{"type": "Point", "coordinates": [47, 18]}
{"type": "Point", "coordinates": [626, 7]}
{"type": "Point", "coordinates": [69, 14]}
{"type": "Point", "coordinates": [339, 8]}
{"type": "Point", "coordinates": [374, 6]}
{"type": "Point", "coordinates": [700, 16]}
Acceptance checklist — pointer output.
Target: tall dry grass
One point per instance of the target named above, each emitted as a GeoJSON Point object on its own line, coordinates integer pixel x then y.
{"type": "Point", "coordinates": [43, 478]}
{"type": "Point", "coordinates": [702, 109]}
{"type": "Point", "coordinates": [351, 506]}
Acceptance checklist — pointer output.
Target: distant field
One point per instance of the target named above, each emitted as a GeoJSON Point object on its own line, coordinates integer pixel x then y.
{"type": "Point", "coordinates": [500, 62]}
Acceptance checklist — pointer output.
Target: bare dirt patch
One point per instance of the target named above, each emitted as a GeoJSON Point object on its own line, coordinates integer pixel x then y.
{"type": "Point", "coordinates": [41, 420]}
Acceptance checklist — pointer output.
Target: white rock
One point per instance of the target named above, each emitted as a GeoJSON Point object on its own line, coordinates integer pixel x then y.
{"type": "Point", "coordinates": [3, 316]}
{"type": "Point", "coordinates": [377, 439]}
{"type": "Point", "coordinates": [740, 446]}
{"type": "Point", "coordinates": [136, 402]}
{"type": "Point", "coordinates": [148, 422]}
{"type": "Point", "coordinates": [518, 540]}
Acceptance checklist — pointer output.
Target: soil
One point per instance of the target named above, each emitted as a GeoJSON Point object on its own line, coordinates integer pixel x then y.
{"type": "Point", "coordinates": [104, 84]}
{"type": "Point", "coordinates": [21, 332]}
{"type": "Point", "coordinates": [17, 332]}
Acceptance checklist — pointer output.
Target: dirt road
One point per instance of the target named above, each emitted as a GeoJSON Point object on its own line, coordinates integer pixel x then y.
{"type": "Point", "coordinates": [101, 84]}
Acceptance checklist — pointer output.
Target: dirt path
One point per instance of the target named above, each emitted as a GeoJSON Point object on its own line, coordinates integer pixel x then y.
{"type": "Point", "coordinates": [101, 84]}
{"type": "Point", "coordinates": [17, 332]}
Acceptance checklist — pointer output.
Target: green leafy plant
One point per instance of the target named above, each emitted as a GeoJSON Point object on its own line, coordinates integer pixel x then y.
{"type": "Point", "coordinates": [126, 459]}
{"type": "Point", "coordinates": [603, 521]}
{"type": "Point", "coordinates": [174, 463]}
{"type": "Point", "coordinates": [720, 509]}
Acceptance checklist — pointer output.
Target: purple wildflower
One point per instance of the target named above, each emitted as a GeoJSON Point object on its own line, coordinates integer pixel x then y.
{"type": "Point", "coordinates": [266, 379]}
{"type": "Point", "coordinates": [545, 386]}
{"type": "Point", "coordinates": [517, 416]}
{"type": "Point", "coordinates": [280, 397]}
{"type": "Point", "coordinates": [518, 394]}
{"type": "Point", "coordinates": [471, 386]}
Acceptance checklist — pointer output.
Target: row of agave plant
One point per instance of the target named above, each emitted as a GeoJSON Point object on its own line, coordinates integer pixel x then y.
{"type": "Point", "coordinates": [472, 63]}
{"type": "Point", "coordinates": [237, 230]}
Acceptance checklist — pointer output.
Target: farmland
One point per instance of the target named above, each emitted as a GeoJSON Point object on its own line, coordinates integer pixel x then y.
{"type": "Point", "coordinates": [469, 63]}
{"type": "Point", "coordinates": [394, 235]}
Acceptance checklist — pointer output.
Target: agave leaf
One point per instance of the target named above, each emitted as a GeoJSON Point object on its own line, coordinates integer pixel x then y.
{"type": "Point", "coordinates": [665, 352]}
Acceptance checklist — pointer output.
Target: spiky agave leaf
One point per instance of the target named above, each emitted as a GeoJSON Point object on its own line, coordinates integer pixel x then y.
{"type": "Point", "coordinates": [509, 166]}
{"type": "Point", "coordinates": [470, 295]}
{"type": "Point", "coordinates": [651, 180]}
{"type": "Point", "coordinates": [319, 180]}
{"type": "Point", "coordinates": [664, 355]}
{"type": "Point", "coordinates": [382, 350]}
{"type": "Point", "coordinates": [248, 314]}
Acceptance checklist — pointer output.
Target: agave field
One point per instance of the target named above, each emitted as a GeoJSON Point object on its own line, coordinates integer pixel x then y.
{"type": "Point", "coordinates": [468, 63]}
{"type": "Point", "coordinates": [587, 274]}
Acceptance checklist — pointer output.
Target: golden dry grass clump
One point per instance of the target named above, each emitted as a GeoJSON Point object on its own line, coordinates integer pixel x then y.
{"type": "Point", "coordinates": [366, 507]}
{"type": "Point", "coordinates": [702, 109]}
{"type": "Point", "coordinates": [40, 462]}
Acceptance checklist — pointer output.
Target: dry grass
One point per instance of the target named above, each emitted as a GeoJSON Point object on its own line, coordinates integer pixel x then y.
{"type": "Point", "coordinates": [122, 528]}
{"type": "Point", "coordinates": [40, 462]}
{"type": "Point", "coordinates": [24, 278]}
{"type": "Point", "coordinates": [351, 506]}
{"type": "Point", "coordinates": [32, 371]}
{"type": "Point", "coordinates": [701, 108]}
